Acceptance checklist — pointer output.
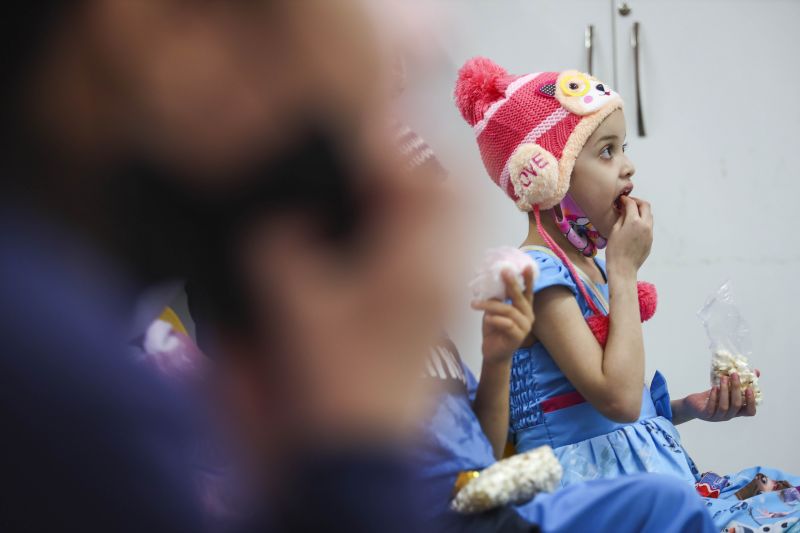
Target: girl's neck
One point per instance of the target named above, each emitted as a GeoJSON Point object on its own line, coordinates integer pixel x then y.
{"type": "Point", "coordinates": [586, 264]}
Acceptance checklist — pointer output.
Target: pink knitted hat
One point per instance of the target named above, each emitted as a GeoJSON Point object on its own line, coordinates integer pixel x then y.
{"type": "Point", "coordinates": [531, 128]}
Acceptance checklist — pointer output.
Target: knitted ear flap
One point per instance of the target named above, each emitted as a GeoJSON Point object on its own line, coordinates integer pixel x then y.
{"type": "Point", "coordinates": [534, 172]}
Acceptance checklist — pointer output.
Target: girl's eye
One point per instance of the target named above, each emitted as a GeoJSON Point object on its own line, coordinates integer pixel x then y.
{"type": "Point", "coordinates": [624, 148]}
{"type": "Point", "coordinates": [606, 153]}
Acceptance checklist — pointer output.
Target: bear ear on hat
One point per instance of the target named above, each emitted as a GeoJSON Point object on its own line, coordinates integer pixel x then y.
{"type": "Point", "coordinates": [548, 89]}
{"type": "Point", "coordinates": [481, 82]}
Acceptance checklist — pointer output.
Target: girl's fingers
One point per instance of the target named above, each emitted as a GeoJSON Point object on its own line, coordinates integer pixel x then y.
{"type": "Point", "coordinates": [617, 225]}
{"type": "Point", "coordinates": [494, 307]}
{"type": "Point", "coordinates": [620, 219]}
{"type": "Point", "coordinates": [527, 275]}
{"type": "Point", "coordinates": [645, 210]}
{"type": "Point", "coordinates": [513, 290]}
{"type": "Point", "coordinates": [724, 395]}
{"type": "Point", "coordinates": [501, 323]}
{"type": "Point", "coordinates": [488, 305]}
{"type": "Point", "coordinates": [750, 400]}
{"type": "Point", "coordinates": [631, 209]}
{"type": "Point", "coordinates": [736, 395]}
{"type": "Point", "coordinates": [712, 403]}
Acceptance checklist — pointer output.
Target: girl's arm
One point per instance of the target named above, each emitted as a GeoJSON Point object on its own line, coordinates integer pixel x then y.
{"type": "Point", "coordinates": [491, 402]}
{"type": "Point", "coordinates": [610, 378]}
{"type": "Point", "coordinates": [505, 328]}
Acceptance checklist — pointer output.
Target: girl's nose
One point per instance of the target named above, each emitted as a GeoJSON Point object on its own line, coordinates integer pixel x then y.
{"type": "Point", "coordinates": [628, 169]}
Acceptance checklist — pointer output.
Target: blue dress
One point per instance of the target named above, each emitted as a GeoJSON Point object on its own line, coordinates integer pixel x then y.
{"type": "Point", "coordinates": [590, 446]}
{"type": "Point", "coordinates": [453, 441]}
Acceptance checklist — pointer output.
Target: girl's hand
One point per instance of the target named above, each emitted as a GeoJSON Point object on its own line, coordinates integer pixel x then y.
{"type": "Point", "coordinates": [718, 404]}
{"type": "Point", "coordinates": [506, 326]}
{"type": "Point", "coordinates": [631, 237]}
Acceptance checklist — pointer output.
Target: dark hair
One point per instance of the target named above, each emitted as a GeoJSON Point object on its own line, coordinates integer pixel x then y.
{"type": "Point", "coordinates": [25, 32]}
{"type": "Point", "coordinates": [313, 179]}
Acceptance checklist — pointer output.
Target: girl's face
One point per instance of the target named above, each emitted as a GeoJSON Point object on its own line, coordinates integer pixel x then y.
{"type": "Point", "coordinates": [603, 173]}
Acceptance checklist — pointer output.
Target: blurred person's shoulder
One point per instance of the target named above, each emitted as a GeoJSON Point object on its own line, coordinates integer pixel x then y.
{"type": "Point", "coordinates": [55, 290]}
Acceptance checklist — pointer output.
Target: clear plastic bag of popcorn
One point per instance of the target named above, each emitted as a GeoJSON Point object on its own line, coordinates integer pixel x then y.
{"type": "Point", "coordinates": [729, 340]}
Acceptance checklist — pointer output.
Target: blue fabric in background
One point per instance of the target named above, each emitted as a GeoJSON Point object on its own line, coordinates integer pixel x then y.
{"type": "Point", "coordinates": [91, 441]}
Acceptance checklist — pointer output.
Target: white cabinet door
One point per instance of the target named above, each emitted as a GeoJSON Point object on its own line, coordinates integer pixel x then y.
{"type": "Point", "coordinates": [721, 165]}
{"type": "Point", "coordinates": [523, 36]}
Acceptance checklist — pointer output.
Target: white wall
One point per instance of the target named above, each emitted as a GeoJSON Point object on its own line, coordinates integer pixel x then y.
{"type": "Point", "coordinates": [720, 166]}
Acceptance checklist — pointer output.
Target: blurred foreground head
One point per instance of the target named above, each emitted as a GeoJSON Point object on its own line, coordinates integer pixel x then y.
{"type": "Point", "coordinates": [145, 123]}
{"type": "Point", "coordinates": [332, 339]}
{"type": "Point", "coordinates": [242, 145]}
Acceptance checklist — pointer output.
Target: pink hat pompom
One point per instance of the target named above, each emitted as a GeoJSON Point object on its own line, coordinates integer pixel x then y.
{"type": "Point", "coordinates": [481, 82]}
{"type": "Point", "coordinates": [599, 325]}
{"type": "Point", "coordinates": [648, 299]}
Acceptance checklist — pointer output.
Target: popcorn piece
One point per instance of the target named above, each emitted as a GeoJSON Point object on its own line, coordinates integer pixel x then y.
{"type": "Point", "coordinates": [489, 281]}
{"type": "Point", "coordinates": [724, 363]}
{"type": "Point", "coordinates": [511, 481]}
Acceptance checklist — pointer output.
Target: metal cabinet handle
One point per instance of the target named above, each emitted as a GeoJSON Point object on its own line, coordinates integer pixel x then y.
{"type": "Point", "coordinates": [588, 42]}
{"type": "Point", "coordinates": [637, 75]}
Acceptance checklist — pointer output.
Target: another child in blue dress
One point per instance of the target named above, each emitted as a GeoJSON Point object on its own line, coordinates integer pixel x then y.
{"type": "Point", "coordinates": [554, 142]}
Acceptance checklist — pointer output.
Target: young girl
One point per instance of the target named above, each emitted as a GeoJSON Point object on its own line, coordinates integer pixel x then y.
{"type": "Point", "coordinates": [468, 427]}
{"type": "Point", "coordinates": [555, 143]}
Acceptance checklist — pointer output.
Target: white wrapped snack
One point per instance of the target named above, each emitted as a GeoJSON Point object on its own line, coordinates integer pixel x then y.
{"type": "Point", "coordinates": [724, 363]}
{"type": "Point", "coordinates": [489, 281]}
{"type": "Point", "coordinates": [511, 481]}
{"type": "Point", "coordinates": [729, 339]}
